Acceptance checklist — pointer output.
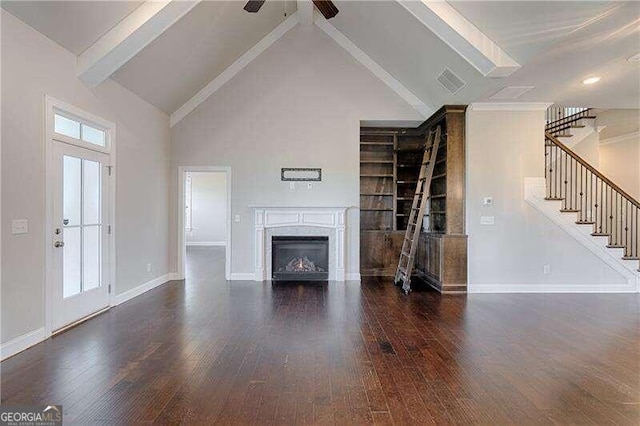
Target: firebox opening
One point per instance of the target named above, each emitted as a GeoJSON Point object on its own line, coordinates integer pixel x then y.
{"type": "Point", "coordinates": [296, 258]}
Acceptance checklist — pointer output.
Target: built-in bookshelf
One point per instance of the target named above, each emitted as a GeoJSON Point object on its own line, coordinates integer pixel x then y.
{"type": "Point", "coordinates": [377, 179]}
{"type": "Point", "coordinates": [390, 160]}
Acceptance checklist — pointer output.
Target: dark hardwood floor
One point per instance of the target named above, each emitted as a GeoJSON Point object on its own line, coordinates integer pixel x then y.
{"type": "Point", "coordinates": [210, 351]}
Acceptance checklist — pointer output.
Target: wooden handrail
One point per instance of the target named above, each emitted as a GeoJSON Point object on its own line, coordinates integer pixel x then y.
{"type": "Point", "coordinates": [592, 169]}
{"type": "Point", "coordinates": [564, 123]}
{"type": "Point", "coordinates": [575, 115]}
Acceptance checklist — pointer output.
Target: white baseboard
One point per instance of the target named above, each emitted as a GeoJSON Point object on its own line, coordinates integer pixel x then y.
{"type": "Point", "coordinates": [551, 288]}
{"type": "Point", "coordinates": [21, 343]}
{"type": "Point", "coordinates": [206, 243]}
{"type": "Point", "coordinates": [353, 276]}
{"type": "Point", "coordinates": [137, 291]}
{"type": "Point", "coordinates": [243, 276]}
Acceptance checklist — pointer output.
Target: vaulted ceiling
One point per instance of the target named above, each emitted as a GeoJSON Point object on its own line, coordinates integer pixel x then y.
{"type": "Point", "coordinates": [75, 25]}
{"type": "Point", "coordinates": [554, 45]}
{"type": "Point", "coordinates": [196, 49]}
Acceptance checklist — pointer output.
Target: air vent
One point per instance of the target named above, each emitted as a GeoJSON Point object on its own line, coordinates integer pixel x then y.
{"type": "Point", "coordinates": [511, 92]}
{"type": "Point", "coordinates": [450, 81]}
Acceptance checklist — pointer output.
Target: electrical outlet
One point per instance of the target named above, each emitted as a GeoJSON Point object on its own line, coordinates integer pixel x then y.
{"type": "Point", "coordinates": [237, 218]}
{"type": "Point", "coordinates": [309, 185]}
{"type": "Point", "coordinates": [546, 269]}
{"type": "Point", "coordinates": [148, 267]}
{"type": "Point", "coordinates": [487, 201]}
{"type": "Point", "coordinates": [292, 185]}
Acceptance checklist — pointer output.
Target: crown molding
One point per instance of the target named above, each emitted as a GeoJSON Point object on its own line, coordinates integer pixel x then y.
{"type": "Point", "coordinates": [510, 106]}
{"type": "Point", "coordinates": [633, 136]}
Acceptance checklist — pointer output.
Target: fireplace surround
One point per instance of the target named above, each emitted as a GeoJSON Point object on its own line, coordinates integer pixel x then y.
{"type": "Point", "coordinates": [295, 221]}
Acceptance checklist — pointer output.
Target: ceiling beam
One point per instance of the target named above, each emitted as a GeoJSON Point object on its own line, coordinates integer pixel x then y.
{"type": "Point", "coordinates": [374, 67]}
{"type": "Point", "coordinates": [305, 10]}
{"type": "Point", "coordinates": [129, 37]}
{"type": "Point", "coordinates": [233, 69]}
{"type": "Point", "coordinates": [463, 37]}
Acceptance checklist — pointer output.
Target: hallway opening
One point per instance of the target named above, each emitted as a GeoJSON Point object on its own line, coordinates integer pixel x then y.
{"type": "Point", "coordinates": [205, 228]}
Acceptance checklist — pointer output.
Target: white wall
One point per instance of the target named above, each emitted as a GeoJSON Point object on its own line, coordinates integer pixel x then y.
{"type": "Point", "coordinates": [32, 66]}
{"type": "Point", "coordinates": [620, 147]}
{"type": "Point", "coordinates": [298, 104]}
{"type": "Point", "coordinates": [589, 149]}
{"type": "Point", "coordinates": [208, 209]}
{"type": "Point", "coordinates": [504, 147]}
{"type": "Point", "coordinates": [620, 162]}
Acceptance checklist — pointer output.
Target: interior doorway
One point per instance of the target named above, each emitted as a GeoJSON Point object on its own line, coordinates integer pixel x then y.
{"type": "Point", "coordinates": [204, 216]}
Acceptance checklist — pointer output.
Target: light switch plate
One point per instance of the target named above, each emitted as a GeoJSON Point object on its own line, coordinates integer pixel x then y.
{"type": "Point", "coordinates": [20, 226]}
{"type": "Point", "coordinates": [309, 185]}
{"type": "Point", "coordinates": [237, 218]}
{"type": "Point", "coordinates": [487, 220]}
{"type": "Point", "coordinates": [292, 185]}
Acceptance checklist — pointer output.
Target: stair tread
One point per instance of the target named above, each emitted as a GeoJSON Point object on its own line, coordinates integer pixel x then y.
{"type": "Point", "coordinates": [614, 246]}
{"type": "Point", "coordinates": [569, 211]}
{"type": "Point", "coordinates": [585, 222]}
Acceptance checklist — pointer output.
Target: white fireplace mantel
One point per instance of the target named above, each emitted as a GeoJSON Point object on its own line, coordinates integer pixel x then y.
{"type": "Point", "coordinates": [322, 217]}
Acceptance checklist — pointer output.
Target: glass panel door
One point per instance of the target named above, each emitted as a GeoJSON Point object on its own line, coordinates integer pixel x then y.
{"type": "Point", "coordinates": [80, 234]}
{"type": "Point", "coordinates": [82, 225]}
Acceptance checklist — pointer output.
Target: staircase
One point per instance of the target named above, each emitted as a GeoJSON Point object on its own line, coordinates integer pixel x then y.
{"type": "Point", "coordinates": [600, 207]}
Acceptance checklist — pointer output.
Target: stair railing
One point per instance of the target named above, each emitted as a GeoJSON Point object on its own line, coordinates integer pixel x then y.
{"type": "Point", "coordinates": [560, 120]}
{"type": "Point", "coordinates": [595, 198]}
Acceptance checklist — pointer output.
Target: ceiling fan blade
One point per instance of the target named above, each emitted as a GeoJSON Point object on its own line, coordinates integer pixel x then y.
{"type": "Point", "coordinates": [326, 7]}
{"type": "Point", "coordinates": [253, 6]}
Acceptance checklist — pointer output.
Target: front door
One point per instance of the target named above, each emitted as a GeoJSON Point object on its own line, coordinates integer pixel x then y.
{"type": "Point", "coordinates": [80, 233]}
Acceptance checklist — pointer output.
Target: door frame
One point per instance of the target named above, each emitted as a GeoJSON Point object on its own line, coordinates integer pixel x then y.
{"type": "Point", "coordinates": [182, 242]}
{"type": "Point", "coordinates": [51, 105]}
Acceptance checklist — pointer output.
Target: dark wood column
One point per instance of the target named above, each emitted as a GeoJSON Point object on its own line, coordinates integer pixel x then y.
{"type": "Point", "coordinates": [456, 165]}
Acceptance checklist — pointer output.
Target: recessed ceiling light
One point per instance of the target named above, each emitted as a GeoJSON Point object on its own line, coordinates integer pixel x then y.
{"type": "Point", "coordinates": [635, 58]}
{"type": "Point", "coordinates": [591, 80]}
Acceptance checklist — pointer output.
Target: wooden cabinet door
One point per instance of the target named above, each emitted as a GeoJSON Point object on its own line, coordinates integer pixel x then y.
{"type": "Point", "coordinates": [421, 253]}
{"type": "Point", "coordinates": [372, 252]}
{"type": "Point", "coordinates": [392, 254]}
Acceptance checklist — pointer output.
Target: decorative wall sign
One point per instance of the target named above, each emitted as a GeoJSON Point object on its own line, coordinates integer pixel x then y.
{"type": "Point", "coordinates": [298, 174]}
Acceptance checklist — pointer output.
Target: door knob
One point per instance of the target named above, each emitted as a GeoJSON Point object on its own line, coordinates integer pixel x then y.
{"type": "Point", "coordinates": [58, 244]}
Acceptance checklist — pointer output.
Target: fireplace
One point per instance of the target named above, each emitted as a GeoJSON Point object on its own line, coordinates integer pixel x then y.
{"type": "Point", "coordinates": [299, 258]}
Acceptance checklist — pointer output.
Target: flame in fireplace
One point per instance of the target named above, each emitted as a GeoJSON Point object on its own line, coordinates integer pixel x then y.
{"type": "Point", "coordinates": [301, 264]}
